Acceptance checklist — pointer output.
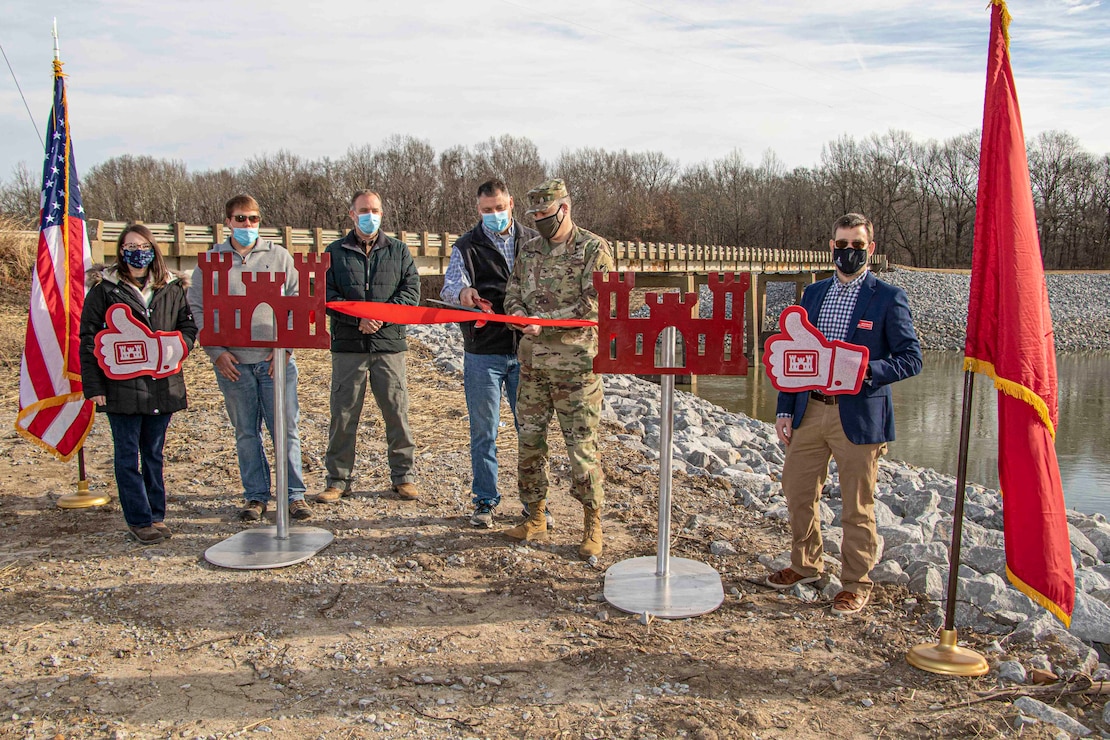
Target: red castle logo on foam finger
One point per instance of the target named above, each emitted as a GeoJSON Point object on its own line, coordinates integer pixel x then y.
{"type": "Point", "coordinates": [299, 319]}
{"type": "Point", "coordinates": [714, 345]}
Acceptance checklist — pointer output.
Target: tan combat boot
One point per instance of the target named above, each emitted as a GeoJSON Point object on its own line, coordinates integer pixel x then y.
{"type": "Point", "coordinates": [533, 526]}
{"type": "Point", "coordinates": [591, 533]}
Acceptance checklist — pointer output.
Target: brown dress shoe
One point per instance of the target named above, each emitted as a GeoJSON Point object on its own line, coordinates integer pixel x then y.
{"type": "Point", "coordinates": [846, 603]}
{"type": "Point", "coordinates": [161, 527]}
{"type": "Point", "coordinates": [330, 495]}
{"type": "Point", "coordinates": [299, 510]}
{"type": "Point", "coordinates": [407, 491]}
{"type": "Point", "coordinates": [146, 535]}
{"type": "Point", "coordinates": [788, 578]}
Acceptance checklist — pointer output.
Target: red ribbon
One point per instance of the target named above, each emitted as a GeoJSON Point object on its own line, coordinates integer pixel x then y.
{"type": "Point", "coordinates": [395, 313]}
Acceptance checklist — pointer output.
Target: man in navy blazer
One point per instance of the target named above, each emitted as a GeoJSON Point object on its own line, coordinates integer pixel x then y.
{"type": "Point", "coordinates": [855, 307]}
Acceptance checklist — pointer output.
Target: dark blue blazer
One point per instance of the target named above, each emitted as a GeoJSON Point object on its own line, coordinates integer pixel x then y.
{"type": "Point", "coordinates": [895, 354]}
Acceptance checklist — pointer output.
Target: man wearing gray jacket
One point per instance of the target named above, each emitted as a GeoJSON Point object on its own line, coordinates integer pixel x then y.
{"type": "Point", "coordinates": [244, 374]}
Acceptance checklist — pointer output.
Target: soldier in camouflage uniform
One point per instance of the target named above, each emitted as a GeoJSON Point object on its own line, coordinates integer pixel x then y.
{"type": "Point", "coordinates": [553, 279]}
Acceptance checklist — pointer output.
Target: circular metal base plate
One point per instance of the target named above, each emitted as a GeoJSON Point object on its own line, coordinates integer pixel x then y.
{"type": "Point", "coordinates": [689, 589]}
{"type": "Point", "coordinates": [259, 548]}
{"type": "Point", "coordinates": [81, 500]}
{"type": "Point", "coordinates": [947, 658]}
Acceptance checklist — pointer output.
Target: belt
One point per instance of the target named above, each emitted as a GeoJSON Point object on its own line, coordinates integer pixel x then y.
{"type": "Point", "coordinates": [827, 400]}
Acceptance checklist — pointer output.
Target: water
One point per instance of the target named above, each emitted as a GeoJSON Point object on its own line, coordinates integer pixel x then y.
{"type": "Point", "coordinates": [927, 414]}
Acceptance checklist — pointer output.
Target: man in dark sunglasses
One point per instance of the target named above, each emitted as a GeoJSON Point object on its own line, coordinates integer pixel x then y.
{"type": "Point", "coordinates": [244, 374]}
{"type": "Point", "coordinates": [855, 307]}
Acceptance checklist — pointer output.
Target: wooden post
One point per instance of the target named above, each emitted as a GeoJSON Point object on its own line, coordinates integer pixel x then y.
{"type": "Point", "coordinates": [217, 234]}
{"type": "Point", "coordinates": [755, 321]}
{"type": "Point", "coordinates": [317, 240]}
{"type": "Point", "coordinates": [178, 248]}
{"type": "Point", "coordinates": [287, 238]}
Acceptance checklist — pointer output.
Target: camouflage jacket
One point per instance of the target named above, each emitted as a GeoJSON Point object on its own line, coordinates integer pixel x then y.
{"type": "Point", "coordinates": [556, 281]}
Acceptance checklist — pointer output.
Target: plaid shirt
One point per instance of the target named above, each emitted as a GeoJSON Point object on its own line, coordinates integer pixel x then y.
{"type": "Point", "coordinates": [836, 311]}
{"type": "Point", "coordinates": [455, 279]}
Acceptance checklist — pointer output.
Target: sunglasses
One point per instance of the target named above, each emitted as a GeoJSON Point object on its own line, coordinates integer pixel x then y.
{"type": "Point", "coordinates": [241, 219]}
{"type": "Point", "coordinates": [856, 244]}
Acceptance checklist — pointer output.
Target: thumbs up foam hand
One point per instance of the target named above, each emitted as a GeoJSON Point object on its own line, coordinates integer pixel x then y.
{"type": "Point", "coordinates": [128, 348]}
{"type": "Point", "coordinates": [802, 359]}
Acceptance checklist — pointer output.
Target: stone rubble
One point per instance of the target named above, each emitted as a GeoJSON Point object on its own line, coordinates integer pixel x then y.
{"type": "Point", "coordinates": [913, 505]}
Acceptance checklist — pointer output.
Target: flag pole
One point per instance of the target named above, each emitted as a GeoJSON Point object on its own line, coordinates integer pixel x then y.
{"type": "Point", "coordinates": [82, 499]}
{"type": "Point", "coordinates": [946, 656]}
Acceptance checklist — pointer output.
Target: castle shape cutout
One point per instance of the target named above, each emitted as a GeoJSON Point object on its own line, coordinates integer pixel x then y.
{"type": "Point", "coordinates": [298, 319]}
{"type": "Point", "coordinates": [626, 344]}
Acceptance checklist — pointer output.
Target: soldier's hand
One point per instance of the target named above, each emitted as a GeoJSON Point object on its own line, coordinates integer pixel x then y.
{"type": "Point", "coordinates": [532, 330]}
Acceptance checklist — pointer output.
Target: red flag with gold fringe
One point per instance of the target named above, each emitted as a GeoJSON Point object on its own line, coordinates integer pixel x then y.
{"type": "Point", "coordinates": [1009, 339]}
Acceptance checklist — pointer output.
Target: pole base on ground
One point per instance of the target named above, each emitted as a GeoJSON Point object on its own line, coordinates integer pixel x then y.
{"type": "Point", "coordinates": [690, 588]}
{"type": "Point", "coordinates": [259, 548]}
{"type": "Point", "coordinates": [82, 499]}
{"type": "Point", "coordinates": [948, 658]}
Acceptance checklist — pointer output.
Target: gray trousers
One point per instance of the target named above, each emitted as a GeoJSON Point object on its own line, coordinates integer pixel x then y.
{"type": "Point", "coordinates": [349, 372]}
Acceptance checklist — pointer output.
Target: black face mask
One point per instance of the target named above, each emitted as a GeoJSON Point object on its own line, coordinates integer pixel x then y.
{"type": "Point", "coordinates": [850, 260]}
{"type": "Point", "coordinates": [549, 225]}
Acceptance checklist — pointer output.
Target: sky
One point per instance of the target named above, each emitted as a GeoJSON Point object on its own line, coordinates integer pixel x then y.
{"type": "Point", "coordinates": [215, 83]}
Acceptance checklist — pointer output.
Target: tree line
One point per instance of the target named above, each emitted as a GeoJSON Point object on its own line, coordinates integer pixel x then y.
{"type": "Point", "coordinates": [920, 194]}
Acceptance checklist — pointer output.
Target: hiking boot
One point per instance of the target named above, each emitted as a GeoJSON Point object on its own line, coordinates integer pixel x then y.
{"type": "Point", "coordinates": [161, 527]}
{"type": "Point", "coordinates": [146, 535]}
{"type": "Point", "coordinates": [483, 516]}
{"type": "Point", "coordinates": [407, 491]}
{"type": "Point", "coordinates": [331, 494]}
{"type": "Point", "coordinates": [300, 510]}
{"type": "Point", "coordinates": [252, 512]}
{"type": "Point", "coordinates": [846, 603]}
{"type": "Point", "coordinates": [788, 578]}
{"type": "Point", "coordinates": [533, 526]}
{"type": "Point", "coordinates": [546, 515]}
{"type": "Point", "coordinates": [591, 533]}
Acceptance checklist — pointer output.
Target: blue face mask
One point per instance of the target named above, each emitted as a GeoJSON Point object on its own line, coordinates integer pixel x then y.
{"type": "Point", "coordinates": [245, 237]}
{"type": "Point", "coordinates": [368, 223]}
{"type": "Point", "coordinates": [138, 258]}
{"type": "Point", "coordinates": [496, 222]}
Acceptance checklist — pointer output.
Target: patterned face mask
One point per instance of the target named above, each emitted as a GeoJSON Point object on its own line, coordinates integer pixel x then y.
{"type": "Point", "coordinates": [138, 258]}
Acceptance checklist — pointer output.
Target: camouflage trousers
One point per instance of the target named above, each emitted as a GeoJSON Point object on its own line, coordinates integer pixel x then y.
{"type": "Point", "coordinates": [575, 399]}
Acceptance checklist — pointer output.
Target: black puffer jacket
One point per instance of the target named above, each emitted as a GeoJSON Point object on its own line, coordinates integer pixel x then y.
{"type": "Point", "coordinates": [387, 275]}
{"type": "Point", "coordinates": [168, 311]}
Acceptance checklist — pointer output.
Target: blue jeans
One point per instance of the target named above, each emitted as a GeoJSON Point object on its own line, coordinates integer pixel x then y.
{"type": "Point", "coordinates": [250, 401]}
{"type": "Point", "coordinates": [138, 441]}
{"type": "Point", "coordinates": [484, 377]}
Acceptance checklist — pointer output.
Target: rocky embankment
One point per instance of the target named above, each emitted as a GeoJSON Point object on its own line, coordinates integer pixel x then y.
{"type": "Point", "coordinates": [913, 505]}
{"type": "Point", "coordinates": [1079, 302]}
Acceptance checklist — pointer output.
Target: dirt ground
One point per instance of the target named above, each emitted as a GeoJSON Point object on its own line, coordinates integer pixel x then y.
{"type": "Point", "coordinates": [414, 624]}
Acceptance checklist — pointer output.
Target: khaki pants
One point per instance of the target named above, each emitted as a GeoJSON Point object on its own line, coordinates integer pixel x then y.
{"type": "Point", "coordinates": [804, 472]}
{"type": "Point", "coordinates": [575, 398]}
{"type": "Point", "coordinates": [386, 373]}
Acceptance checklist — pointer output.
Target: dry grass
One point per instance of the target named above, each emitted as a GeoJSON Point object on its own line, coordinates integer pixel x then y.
{"type": "Point", "coordinates": [17, 251]}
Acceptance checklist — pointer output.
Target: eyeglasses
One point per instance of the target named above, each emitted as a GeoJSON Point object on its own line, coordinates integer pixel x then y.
{"type": "Point", "coordinates": [241, 219]}
{"type": "Point", "coordinates": [856, 244]}
{"type": "Point", "coordinates": [140, 247]}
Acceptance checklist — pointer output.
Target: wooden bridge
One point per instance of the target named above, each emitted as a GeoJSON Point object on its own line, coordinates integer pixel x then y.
{"type": "Point", "coordinates": [657, 265]}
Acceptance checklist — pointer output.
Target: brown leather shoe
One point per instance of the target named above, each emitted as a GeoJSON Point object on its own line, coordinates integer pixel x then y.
{"type": "Point", "coordinates": [788, 578]}
{"type": "Point", "coordinates": [300, 510]}
{"type": "Point", "coordinates": [146, 535]}
{"type": "Point", "coordinates": [330, 495]}
{"type": "Point", "coordinates": [846, 603]}
{"type": "Point", "coordinates": [252, 511]}
{"type": "Point", "coordinates": [407, 491]}
{"type": "Point", "coordinates": [161, 527]}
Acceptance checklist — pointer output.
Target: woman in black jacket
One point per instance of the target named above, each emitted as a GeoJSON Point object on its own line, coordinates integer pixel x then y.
{"type": "Point", "coordinates": [138, 408]}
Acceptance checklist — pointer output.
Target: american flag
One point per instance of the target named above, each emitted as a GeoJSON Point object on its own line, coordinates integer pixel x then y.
{"type": "Point", "coordinates": [52, 410]}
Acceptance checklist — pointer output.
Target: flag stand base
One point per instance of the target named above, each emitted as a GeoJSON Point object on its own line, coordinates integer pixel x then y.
{"type": "Point", "coordinates": [262, 548]}
{"type": "Point", "coordinates": [947, 658]}
{"type": "Point", "coordinates": [82, 499]}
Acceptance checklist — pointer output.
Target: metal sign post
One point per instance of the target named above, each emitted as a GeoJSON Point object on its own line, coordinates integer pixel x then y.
{"type": "Point", "coordinates": [666, 587]}
{"type": "Point", "coordinates": [278, 546]}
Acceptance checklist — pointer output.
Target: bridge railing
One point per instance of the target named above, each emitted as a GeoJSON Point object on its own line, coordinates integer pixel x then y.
{"type": "Point", "coordinates": [183, 242]}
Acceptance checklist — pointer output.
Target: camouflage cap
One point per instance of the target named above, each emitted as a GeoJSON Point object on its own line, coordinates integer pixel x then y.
{"type": "Point", "coordinates": [543, 195]}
